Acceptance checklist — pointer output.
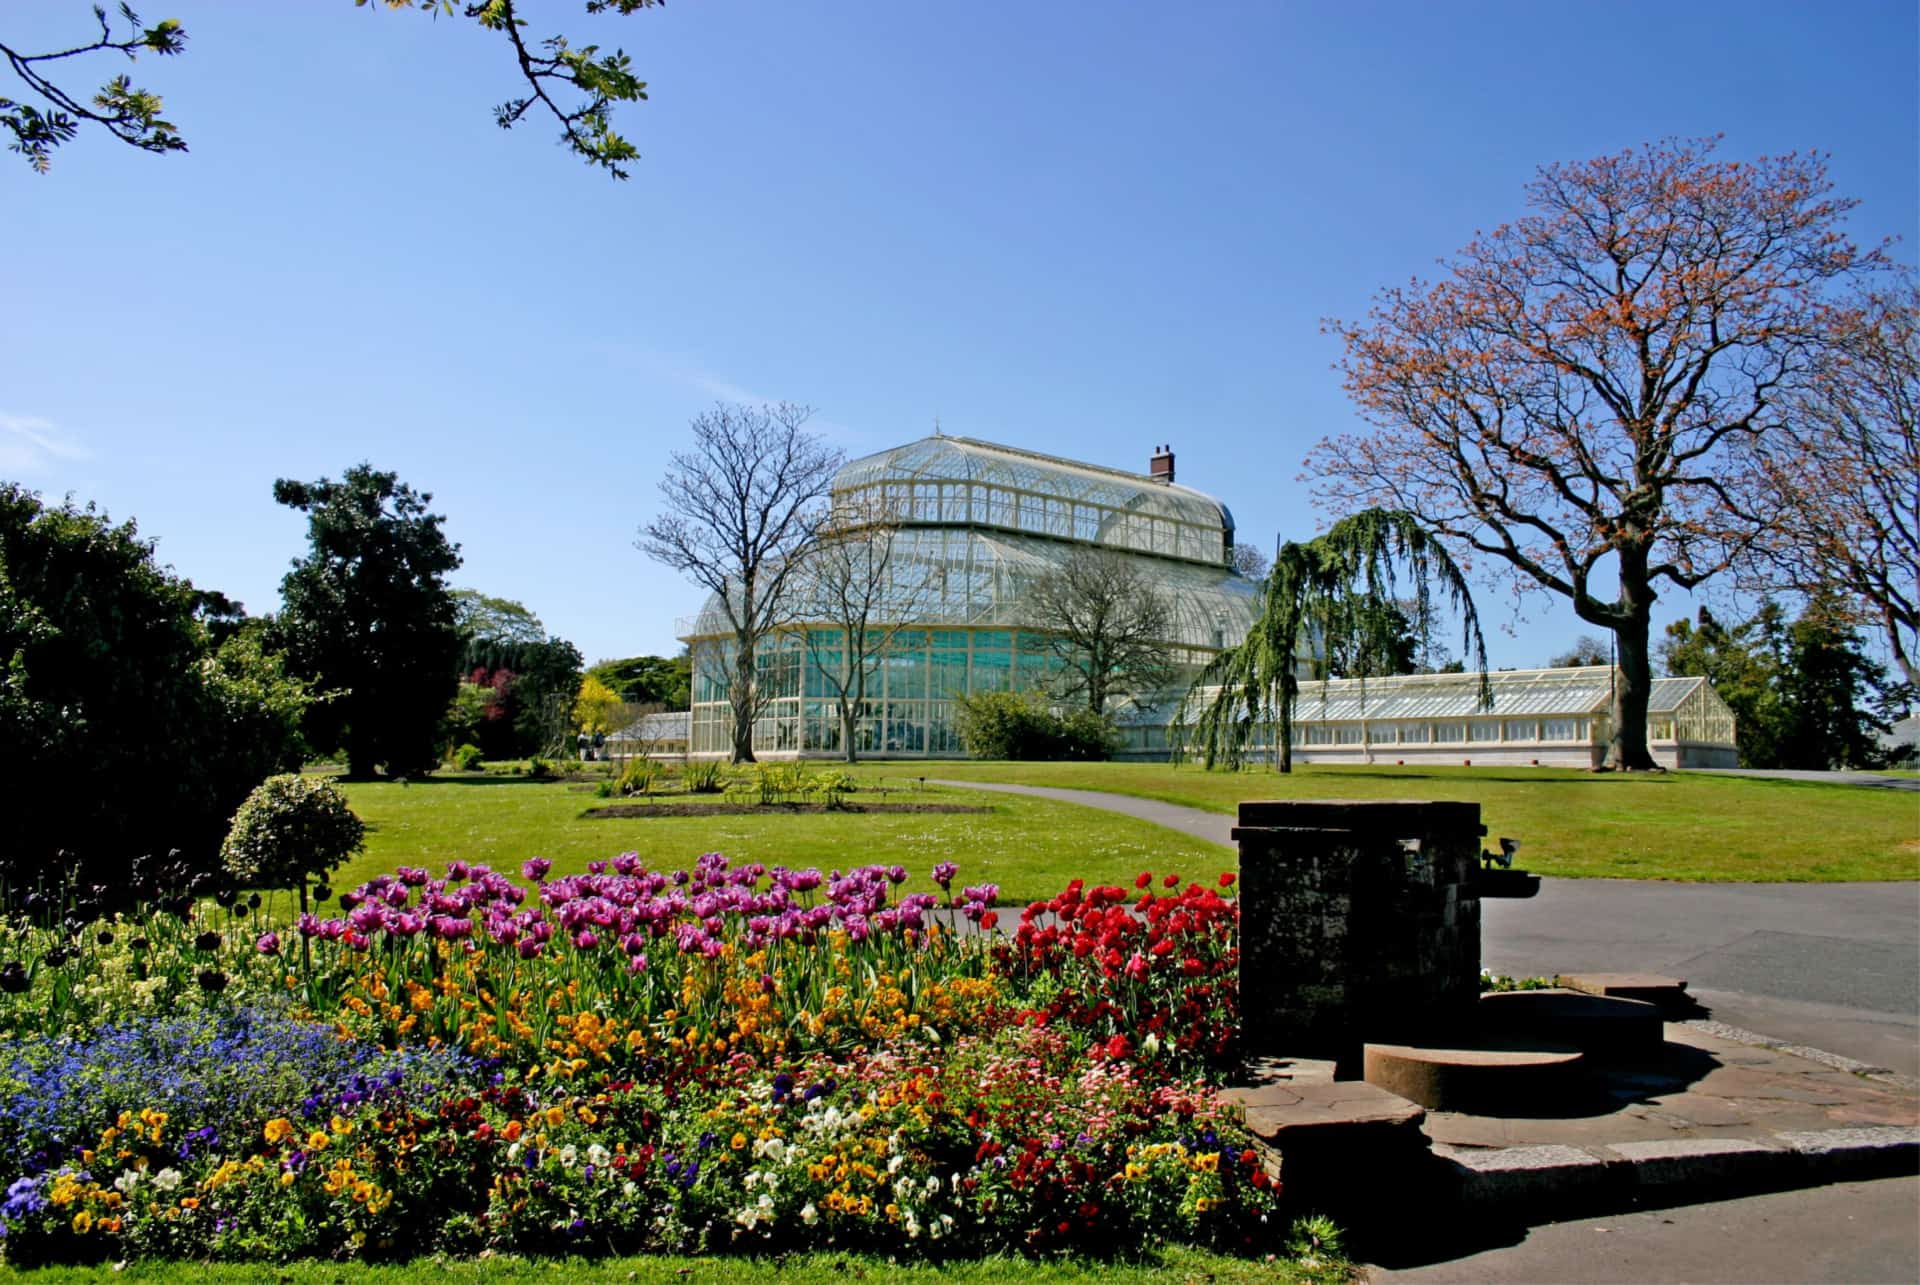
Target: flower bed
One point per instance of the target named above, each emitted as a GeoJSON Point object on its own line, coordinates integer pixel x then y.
{"type": "Point", "coordinates": [624, 1060]}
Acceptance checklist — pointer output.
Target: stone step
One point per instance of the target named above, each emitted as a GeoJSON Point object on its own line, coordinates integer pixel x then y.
{"type": "Point", "coordinates": [1337, 1145]}
{"type": "Point", "coordinates": [1606, 1028]}
{"type": "Point", "coordinates": [1668, 994]}
{"type": "Point", "coordinates": [1500, 1076]}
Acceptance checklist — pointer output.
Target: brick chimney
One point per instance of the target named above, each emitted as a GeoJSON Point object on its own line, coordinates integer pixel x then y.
{"type": "Point", "coordinates": [1161, 465]}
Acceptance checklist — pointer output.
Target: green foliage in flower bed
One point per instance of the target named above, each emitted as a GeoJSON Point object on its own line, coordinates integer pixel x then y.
{"type": "Point", "coordinates": [722, 1059]}
{"type": "Point", "coordinates": [1138, 1265]}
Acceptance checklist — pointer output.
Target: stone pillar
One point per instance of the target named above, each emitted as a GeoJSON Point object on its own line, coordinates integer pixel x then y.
{"type": "Point", "coordinates": [1359, 922]}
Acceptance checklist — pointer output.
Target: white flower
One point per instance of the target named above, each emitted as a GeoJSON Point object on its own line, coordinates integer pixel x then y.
{"type": "Point", "coordinates": [167, 1179]}
{"type": "Point", "coordinates": [933, 1183]}
{"type": "Point", "coordinates": [513, 1152]}
{"type": "Point", "coordinates": [127, 1181]}
{"type": "Point", "coordinates": [628, 1189]}
{"type": "Point", "coordinates": [1150, 1047]}
{"type": "Point", "coordinates": [598, 1155]}
{"type": "Point", "coordinates": [893, 1165]}
{"type": "Point", "coordinates": [569, 1156]}
{"type": "Point", "coordinates": [766, 1203]}
{"type": "Point", "coordinates": [808, 1213]}
{"type": "Point", "coordinates": [752, 1180]}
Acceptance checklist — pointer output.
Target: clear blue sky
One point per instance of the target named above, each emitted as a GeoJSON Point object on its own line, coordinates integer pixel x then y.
{"type": "Point", "coordinates": [1082, 228]}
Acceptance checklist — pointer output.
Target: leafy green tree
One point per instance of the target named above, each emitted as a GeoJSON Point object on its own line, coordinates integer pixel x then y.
{"type": "Point", "coordinates": [123, 729]}
{"type": "Point", "coordinates": [291, 832]}
{"type": "Point", "coordinates": [367, 616]}
{"type": "Point", "coordinates": [1803, 694]}
{"type": "Point", "coordinates": [1346, 587]}
{"type": "Point", "coordinates": [482, 618]}
{"type": "Point", "coordinates": [596, 708]}
{"type": "Point", "coordinates": [666, 681]}
{"type": "Point", "coordinates": [1743, 662]}
{"type": "Point", "coordinates": [578, 87]}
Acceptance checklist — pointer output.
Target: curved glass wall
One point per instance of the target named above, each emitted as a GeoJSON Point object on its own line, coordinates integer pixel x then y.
{"type": "Point", "coordinates": [967, 550]}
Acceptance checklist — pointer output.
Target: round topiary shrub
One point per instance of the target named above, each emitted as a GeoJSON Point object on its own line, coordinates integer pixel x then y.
{"type": "Point", "coordinates": [292, 831]}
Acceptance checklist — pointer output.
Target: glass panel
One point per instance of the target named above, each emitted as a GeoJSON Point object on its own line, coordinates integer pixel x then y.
{"type": "Point", "coordinates": [1560, 729]}
{"type": "Point", "coordinates": [992, 666]}
{"type": "Point", "coordinates": [1484, 729]}
{"type": "Point", "coordinates": [1346, 734]}
{"type": "Point", "coordinates": [1414, 733]}
{"type": "Point", "coordinates": [1521, 729]}
{"type": "Point", "coordinates": [1450, 732]}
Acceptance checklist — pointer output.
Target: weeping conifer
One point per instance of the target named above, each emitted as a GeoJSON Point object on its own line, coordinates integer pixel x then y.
{"type": "Point", "coordinates": [1343, 593]}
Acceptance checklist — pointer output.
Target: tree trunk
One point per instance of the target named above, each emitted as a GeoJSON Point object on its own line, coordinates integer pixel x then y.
{"type": "Point", "coordinates": [847, 750]}
{"type": "Point", "coordinates": [1634, 682]}
{"type": "Point", "coordinates": [742, 695]}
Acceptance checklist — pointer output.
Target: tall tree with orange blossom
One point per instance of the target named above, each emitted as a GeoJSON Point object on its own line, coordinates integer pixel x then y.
{"type": "Point", "coordinates": [1580, 401]}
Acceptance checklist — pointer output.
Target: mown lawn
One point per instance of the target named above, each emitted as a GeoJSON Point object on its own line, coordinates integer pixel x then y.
{"type": "Point", "coordinates": [1172, 1264]}
{"type": "Point", "coordinates": [1676, 825]}
{"type": "Point", "coordinates": [1030, 847]}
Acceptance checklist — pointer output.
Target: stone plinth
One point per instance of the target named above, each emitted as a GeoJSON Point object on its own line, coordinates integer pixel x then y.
{"type": "Point", "coordinates": [1358, 922]}
{"type": "Point", "coordinates": [1520, 1074]}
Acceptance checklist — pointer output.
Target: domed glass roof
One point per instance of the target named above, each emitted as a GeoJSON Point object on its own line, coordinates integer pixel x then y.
{"type": "Point", "coordinates": [957, 481]}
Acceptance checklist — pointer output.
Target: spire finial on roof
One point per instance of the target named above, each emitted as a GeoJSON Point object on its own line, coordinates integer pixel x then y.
{"type": "Point", "coordinates": [936, 426]}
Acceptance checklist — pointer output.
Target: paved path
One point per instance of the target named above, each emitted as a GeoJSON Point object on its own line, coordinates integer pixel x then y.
{"type": "Point", "coordinates": [1213, 827]}
{"type": "Point", "coordinates": [1832, 965]}
{"type": "Point", "coordinates": [1876, 780]}
{"type": "Point", "coordinates": [1854, 1231]}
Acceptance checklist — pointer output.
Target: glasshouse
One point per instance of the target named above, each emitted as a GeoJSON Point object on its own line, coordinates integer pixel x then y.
{"type": "Point", "coordinates": [1551, 717]}
{"type": "Point", "coordinates": [977, 525]}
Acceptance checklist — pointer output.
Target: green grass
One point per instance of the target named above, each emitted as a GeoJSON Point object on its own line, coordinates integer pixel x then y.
{"type": "Point", "coordinates": [1030, 847]}
{"type": "Point", "coordinates": [1169, 1265]}
{"type": "Point", "coordinates": [1676, 825]}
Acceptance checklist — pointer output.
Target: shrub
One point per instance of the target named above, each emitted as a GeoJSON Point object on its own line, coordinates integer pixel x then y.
{"type": "Point", "coordinates": [1088, 736]}
{"type": "Point", "coordinates": [539, 769]}
{"type": "Point", "coordinates": [1014, 725]}
{"type": "Point", "coordinates": [468, 758]}
{"type": "Point", "coordinates": [292, 830]}
{"type": "Point", "coordinates": [639, 776]}
{"type": "Point", "coordinates": [708, 776]}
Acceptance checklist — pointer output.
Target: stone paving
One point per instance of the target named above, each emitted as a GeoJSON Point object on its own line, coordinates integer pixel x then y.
{"type": "Point", "coordinates": [1703, 1085]}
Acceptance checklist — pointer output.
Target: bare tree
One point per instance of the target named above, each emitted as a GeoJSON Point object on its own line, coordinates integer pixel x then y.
{"type": "Point", "coordinates": [858, 580]}
{"type": "Point", "coordinates": [1586, 650]}
{"type": "Point", "coordinates": [742, 510]}
{"type": "Point", "coordinates": [1250, 562]}
{"type": "Point", "coordinates": [1845, 478]}
{"type": "Point", "coordinates": [1582, 392]}
{"type": "Point", "coordinates": [1106, 623]}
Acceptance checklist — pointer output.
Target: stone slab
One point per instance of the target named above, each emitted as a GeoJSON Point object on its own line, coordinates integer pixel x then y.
{"type": "Point", "coordinates": [1592, 1023]}
{"type": "Point", "coordinates": [1668, 993]}
{"type": "Point", "coordinates": [1507, 1180]}
{"type": "Point", "coordinates": [1706, 1162]}
{"type": "Point", "coordinates": [1288, 1116]}
{"type": "Point", "coordinates": [1520, 1073]}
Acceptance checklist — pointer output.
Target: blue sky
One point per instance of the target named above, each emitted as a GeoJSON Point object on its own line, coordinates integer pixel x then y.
{"type": "Point", "coordinates": [1081, 228]}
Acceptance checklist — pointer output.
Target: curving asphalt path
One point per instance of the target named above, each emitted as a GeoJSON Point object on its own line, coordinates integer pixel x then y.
{"type": "Point", "coordinates": [1832, 965]}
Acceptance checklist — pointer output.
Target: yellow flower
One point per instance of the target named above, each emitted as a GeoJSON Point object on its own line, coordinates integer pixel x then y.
{"type": "Point", "coordinates": [318, 1140]}
{"type": "Point", "coordinates": [286, 1178]}
{"type": "Point", "coordinates": [340, 1126]}
{"type": "Point", "coordinates": [83, 1222]}
{"type": "Point", "coordinates": [278, 1130]}
{"type": "Point", "coordinates": [739, 1141]}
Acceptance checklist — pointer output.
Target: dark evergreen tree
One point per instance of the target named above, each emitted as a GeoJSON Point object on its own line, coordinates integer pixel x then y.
{"type": "Point", "coordinates": [367, 615]}
{"type": "Point", "coordinates": [124, 728]}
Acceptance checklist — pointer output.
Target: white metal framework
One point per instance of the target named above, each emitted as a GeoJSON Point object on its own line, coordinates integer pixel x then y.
{"type": "Point", "coordinates": [1550, 716]}
{"type": "Point", "coordinates": [979, 524]}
